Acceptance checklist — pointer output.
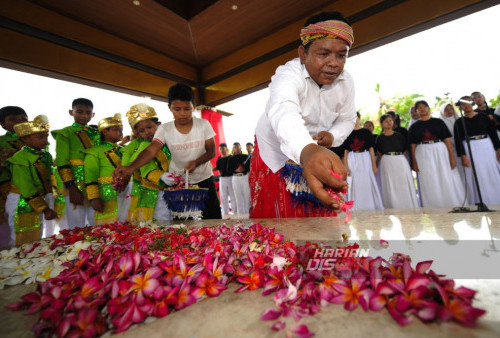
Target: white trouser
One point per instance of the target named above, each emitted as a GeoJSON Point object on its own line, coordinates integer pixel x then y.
{"type": "Point", "coordinates": [11, 208]}
{"type": "Point", "coordinates": [242, 193]}
{"type": "Point", "coordinates": [124, 202]}
{"type": "Point", "coordinates": [226, 191]}
{"type": "Point", "coordinates": [162, 212]}
{"type": "Point", "coordinates": [78, 216]}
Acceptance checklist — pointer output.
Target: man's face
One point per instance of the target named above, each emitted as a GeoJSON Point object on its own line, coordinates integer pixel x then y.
{"type": "Point", "coordinates": [12, 120]}
{"type": "Point", "coordinates": [37, 141]}
{"type": "Point", "coordinates": [369, 126]}
{"type": "Point", "coordinates": [82, 114]}
{"type": "Point", "coordinates": [236, 149]}
{"type": "Point", "coordinates": [325, 59]}
{"type": "Point", "coordinates": [478, 99]}
{"type": "Point", "coordinates": [414, 113]}
{"type": "Point", "coordinates": [249, 149]}
{"type": "Point", "coordinates": [223, 151]}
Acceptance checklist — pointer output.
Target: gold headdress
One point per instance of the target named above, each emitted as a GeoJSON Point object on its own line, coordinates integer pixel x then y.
{"type": "Point", "coordinates": [140, 112]}
{"type": "Point", "coordinates": [110, 122]}
{"type": "Point", "coordinates": [39, 124]}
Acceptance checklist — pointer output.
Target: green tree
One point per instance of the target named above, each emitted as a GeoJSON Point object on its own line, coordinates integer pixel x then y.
{"type": "Point", "coordinates": [495, 101]}
{"type": "Point", "coordinates": [400, 104]}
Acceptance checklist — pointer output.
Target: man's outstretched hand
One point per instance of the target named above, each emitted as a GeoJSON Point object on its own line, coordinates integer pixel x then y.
{"type": "Point", "coordinates": [121, 175]}
{"type": "Point", "coordinates": [316, 164]}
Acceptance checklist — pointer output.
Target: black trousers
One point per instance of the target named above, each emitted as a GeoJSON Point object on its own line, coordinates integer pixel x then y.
{"type": "Point", "coordinates": [212, 205]}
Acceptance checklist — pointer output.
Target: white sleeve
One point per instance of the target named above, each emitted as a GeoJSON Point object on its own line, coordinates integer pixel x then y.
{"type": "Point", "coordinates": [344, 124]}
{"type": "Point", "coordinates": [285, 114]}
{"type": "Point", "coordinates": [208, 131]}
{"type": "Point", "coordinates": [160, 135]}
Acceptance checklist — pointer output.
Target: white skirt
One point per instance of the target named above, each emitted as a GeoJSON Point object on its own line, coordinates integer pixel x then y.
{"type": "Point", "coordinates": [363, 189]}
{"type": "Point", "coordinates": [398, 187]}
{"type": "Point", "coordinates": [488, 172]}
{"type": "Point", "coordinates": [440, 186]}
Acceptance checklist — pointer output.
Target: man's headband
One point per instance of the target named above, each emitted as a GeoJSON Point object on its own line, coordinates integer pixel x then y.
{"type": "Point", "coordinates": [330, 29]}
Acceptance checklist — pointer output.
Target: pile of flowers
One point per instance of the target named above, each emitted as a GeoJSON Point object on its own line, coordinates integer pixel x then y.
{"type": "Point", "coordinates": [128, 273]}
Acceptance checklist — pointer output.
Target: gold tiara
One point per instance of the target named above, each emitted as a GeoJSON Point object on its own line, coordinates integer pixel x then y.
{"type": "Point", "coordinates": [140, 112]}
{"type": "Point", "coordinates": [110, 122]}
{"type": "Point", "coordinates": [39, 124]}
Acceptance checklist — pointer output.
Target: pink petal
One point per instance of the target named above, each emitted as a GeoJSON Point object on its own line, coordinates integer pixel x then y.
{"type": "Point", "coordinates": [150, 287]}
{"type": "Point", "coordinates": [302, 331]}
{"type": "Point", "coordinates": [271, 314]}
{"type": "Point", "coordinates": [398, 317]}
{"type": "Point", "coordinates": [377, 303]}
{"type": "Point", "coordinates": [384, 244]}
{"type": "Point", "coordinates": [417, 281]}
{"type": "Point", "coordinates": [422, 267]}
{"type": "Point", "coordinates": [278, 326]}
{"type": "Point", "coordinates": [427, 314]}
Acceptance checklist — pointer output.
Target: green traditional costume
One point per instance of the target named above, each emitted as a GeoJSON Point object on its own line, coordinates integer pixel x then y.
{"type": "Point", "coordinates": [71, 142]}
{"type": "Point", "coordinates": [100, 162]}
{"type": "Point", "coordinates": [31, 179]}
{"type": "Point", "coordinates": [151, 180]}
{"type": "Point", "coordinates": [127, 153]}
{"type": "Point", "coordinates": [9, 145]}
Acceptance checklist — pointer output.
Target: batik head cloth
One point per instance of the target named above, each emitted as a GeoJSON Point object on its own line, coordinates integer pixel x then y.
{"type": "Point", "coordinates": [330, 29]}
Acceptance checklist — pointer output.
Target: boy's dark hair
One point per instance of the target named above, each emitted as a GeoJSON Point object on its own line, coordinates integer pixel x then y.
{"type": "Point", "coordinates": [236, 144]}
{"type": "Point", "coordinates": [181, 92]}
{"type": "Point", "coordinates": [324, 16]}
{"type": "Point", "coordinates": [249, 144]}
{"type": "Point", "coordinates": [370, 122]}
{"type": "Point", "coordinates": [421, 102]}
{"type": "Point", "coordinates": [393, 114]}
{"type": "Point", "coordinates": [155, 120]}
{"type": "Point", "coordinates": [383, 117]}
{"type": "Point", "coordinates": [222, 145]}
{"type": "Point", "coordinates": [10, 110]}
{"type": "Point", "coordinates": [82, 102]}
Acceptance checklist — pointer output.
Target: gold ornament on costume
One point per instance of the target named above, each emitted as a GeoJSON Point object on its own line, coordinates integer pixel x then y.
{"type": "Point", "coordinates": [39, 124]}
{"type": "Point", "coordinates": [109, 122]}
{"type": "Point", "coordinates": [140, 112]}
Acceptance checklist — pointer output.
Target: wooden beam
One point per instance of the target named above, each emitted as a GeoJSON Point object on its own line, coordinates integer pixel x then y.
{"type": "Point", "coordinates": [41, 54]}
{"type": "Point", "coordinates": [387, 25]}
{"type": "Point", "coordinates": [285, 36]}
{"type": "Point", "coordinates": [40, 18]}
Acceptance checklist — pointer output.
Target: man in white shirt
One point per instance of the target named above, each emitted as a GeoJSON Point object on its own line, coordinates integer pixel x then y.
{"type": "Point", "coordinates": [311, 108]}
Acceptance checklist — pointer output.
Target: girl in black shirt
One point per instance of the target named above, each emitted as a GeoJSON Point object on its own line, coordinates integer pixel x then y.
{"type": "Point", "coordinates": [397, 186]}
{"type": "Point", "coordinates": [485, 147]}
{"type": "Point", "coordinates": [359, 160]}
{"type": "Point", "coordinates": [433, 160]}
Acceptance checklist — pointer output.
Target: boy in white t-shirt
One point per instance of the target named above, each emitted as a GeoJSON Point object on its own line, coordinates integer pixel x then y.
{"type": "Point", "coordinates": [191, 143]}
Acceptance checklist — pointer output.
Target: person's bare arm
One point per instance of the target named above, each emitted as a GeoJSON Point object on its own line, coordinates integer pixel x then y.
{"type": "Point", "coordinates": [123, 173]}
{"type": "Point", "coordinates": [207, 156]}
{"type": "Point", "coordinates": [346, 162]}
{"type": "Point", "coordinates": [453, 161]}
{"type": "Point", "coordinates": [374, 163]}
{"type": "Point", "coordinates": [414, 164]}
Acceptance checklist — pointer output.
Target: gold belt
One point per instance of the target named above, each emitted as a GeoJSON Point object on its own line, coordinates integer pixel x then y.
{"type": "Point", "coordinates": [76, 162]}
{"type": "Point", "coordinates": [105, 180]}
